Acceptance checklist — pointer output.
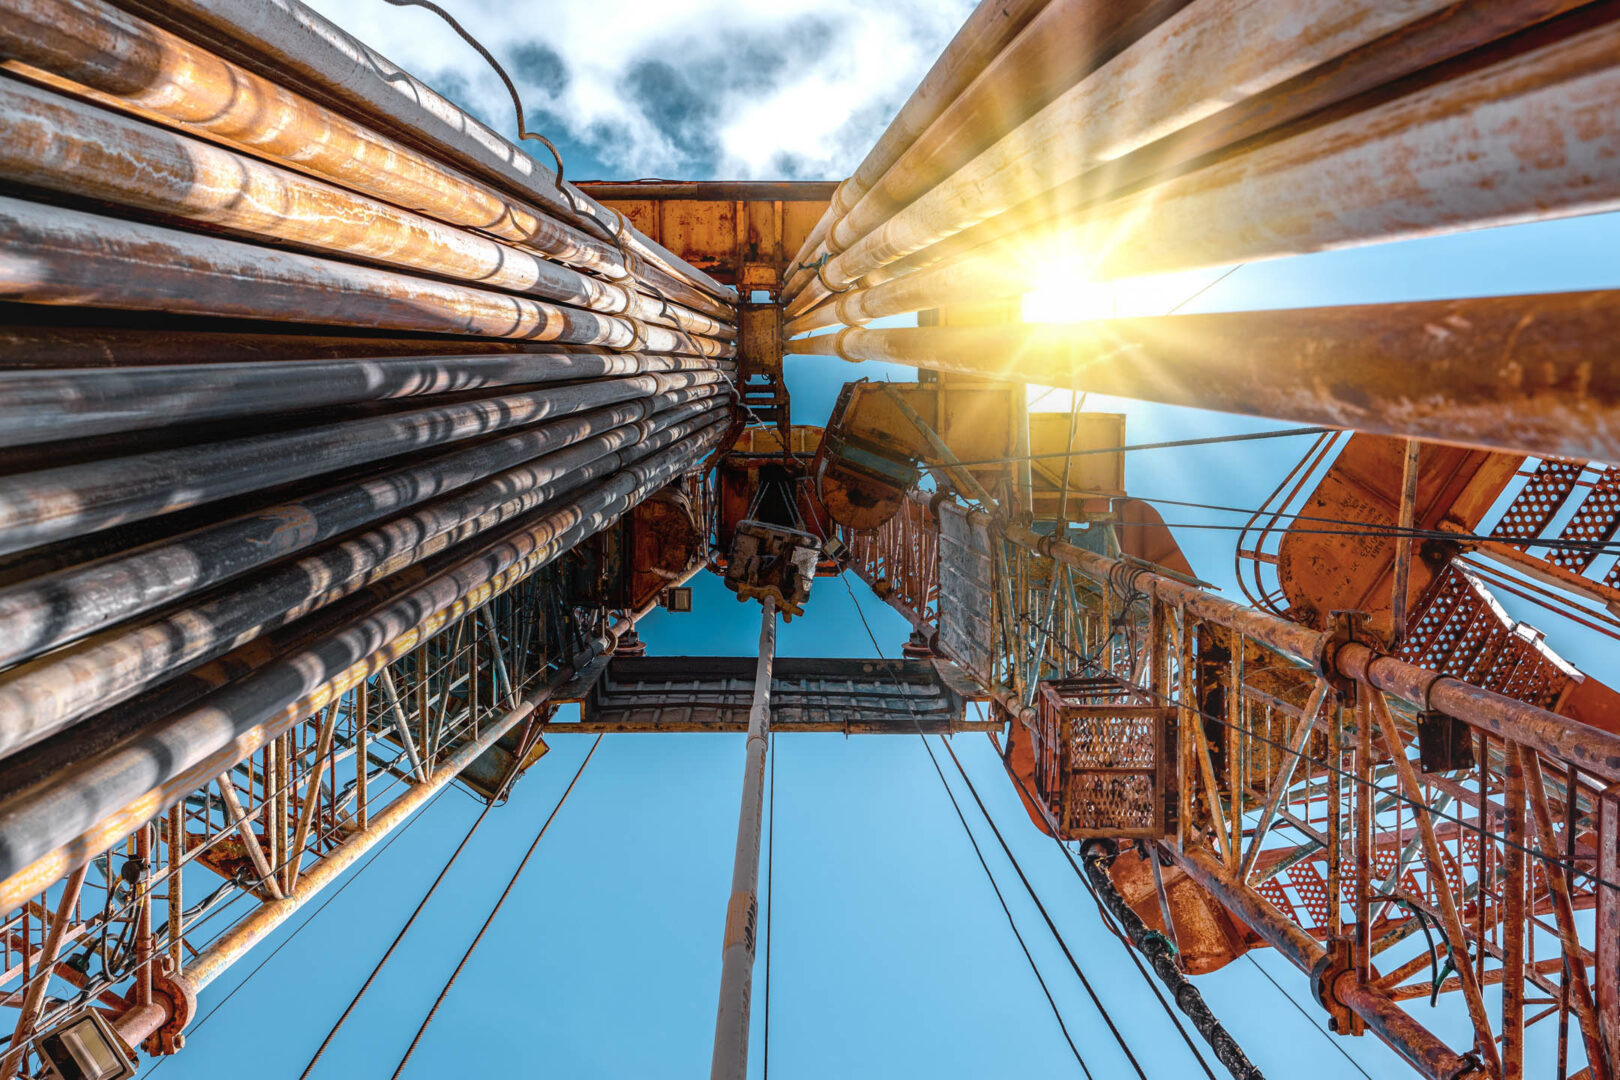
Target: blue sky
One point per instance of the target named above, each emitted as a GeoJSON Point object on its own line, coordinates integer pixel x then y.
{"type": "Point", "coordinates": [891, 956]}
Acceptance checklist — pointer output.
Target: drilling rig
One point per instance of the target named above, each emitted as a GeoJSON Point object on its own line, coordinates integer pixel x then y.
{"type": "Point", "coordinates": [343, 443]}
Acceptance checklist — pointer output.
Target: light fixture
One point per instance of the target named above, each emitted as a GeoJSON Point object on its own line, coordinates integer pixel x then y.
{"type": "Point", "coordinates": [85, 1048]}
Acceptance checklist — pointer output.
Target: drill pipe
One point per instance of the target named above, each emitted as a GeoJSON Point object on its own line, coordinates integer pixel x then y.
{"type": "Point", "coordinates": [987, 31]}
{"type": "Point", "coordinates": [1323, 94]}
{"type": "Point", "coordinates": [130, 63]}
{"type": "Point", "coordinates": [56, 344]}
{"type": "Point", "coordinates": [1475, 169]}
{"type": "Point", "coordinates": [53, 504]}
{"type": "Point", "coordinates": [1065, 42]}
{"type": "Point", "coordinates": [57, 256]}
{"type": "Point", "coordinates": [40, 699]}
{"type": "Point", "coordinates": [44, 612]}
{"type": "Point", "coordinates": [1528, 374]}
{"type": "Point", "coordinates": [69, 818]}
{"type": "Point", "coordinates": [295, 40]}
{"type": "Point", "coordinates": [54, 142]}
{"type": "Point", "coordinates": [51, 405]}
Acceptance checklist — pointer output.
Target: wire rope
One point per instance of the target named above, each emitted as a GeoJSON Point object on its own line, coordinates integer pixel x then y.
{"type": "Point", "coordinates": [973, 841]}
{"type": "Point", "coordinates": [449, 983]}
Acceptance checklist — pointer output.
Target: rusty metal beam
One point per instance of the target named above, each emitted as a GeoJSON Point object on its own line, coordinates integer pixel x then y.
{"type": "Point", "coordinates": [1433, 1058]}
{"type": "Point", "coordinates": [1520, 373]}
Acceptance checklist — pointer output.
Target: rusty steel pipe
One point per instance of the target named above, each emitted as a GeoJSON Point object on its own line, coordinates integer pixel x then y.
{"type": "Point", "coordinates": [80, 811]}
{"type": "Point", "coordinates": [1396, 1027]}
{"type": "Point", "coordinates": [133, 64]}
{"type": "Point", "coordinates": [53, 142]}
{"type": "Point", "coordinates": [1176, 74]}
{"type": "Point", "coordinates": [971, 280]}
{"type": "Point", "coordinates": [57, 256]}
{"type": "Point", "coordinates": [51, 405]}
{"type": "Point", "coordinates": [1518, 373]}
{"type": "Point", "coordinates": [1558, 737]}
{"type": "Point", "coordinates": [1025, 232]}
{"type": "Point", "coordinates": [302, 44]}
{"type": "Point", "coordinates": [44, 612]}
{"type": "Point", "coordinates": [991, 26]}
{"type": "Point", "coordinates": [1529, 138]}
{"type": "Point", "coordinates": [41, 698]}
{"type": "Point", "coordinates": [53, 504]}
{"type": "Point", "coordinates": [56, 342]}
{"type": "Point", "coordinates": [45, 345]}
{"type": "Point", "coordinates": [1066, 41]}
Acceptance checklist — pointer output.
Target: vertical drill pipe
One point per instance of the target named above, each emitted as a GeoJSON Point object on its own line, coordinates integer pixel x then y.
{"type": "Point", "coordinates": [1465, 165]}
{"type": "Point", "coordinates": [81, 810]}
{"type": "Point", "coordinates": [1066, 41]}
{"type": "Point", "coordinates": [121, 60]}
{"type": "Point", "coordinates": [54, 405]}
{"type": "Point", "coordinates": [54, 504]}
{"type": "Point", "coordinates": [730, 1061]}
{"type": "Point", "coordinates": [54, 609]}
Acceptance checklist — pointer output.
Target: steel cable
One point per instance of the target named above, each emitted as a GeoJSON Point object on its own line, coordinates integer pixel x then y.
{"type": "Point", "coordinates": [844, 576]}
{"type": "Point", "coordinates": [493, 912]}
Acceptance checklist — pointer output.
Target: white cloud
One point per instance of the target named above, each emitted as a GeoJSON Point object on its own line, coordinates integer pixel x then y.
{"type": "Point", "coordinates": [680, 88]}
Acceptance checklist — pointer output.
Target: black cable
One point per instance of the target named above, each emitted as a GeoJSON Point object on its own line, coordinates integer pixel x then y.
{"type": "Point", "coordinates": [493, 912]}
{"type": "Point", "coordinates": [1391, 532]}
{"type": "Point", "coordinates": [1361, 528]}
{"type": "Point", "coordinates": [403, 930]}
{"type": "Point", "coordinates": [1108, 921]}
{"type": "Point", "coordinates": [1281, 433]}
{"type": "Point", "coordinates": [517, 102]}
{"type": "Point", "coordinates": [313, 916]}
{"type": "Point", "coordinates": [1302, 1011]}
{"type": "Point", "coordinates": [844, 575]}
{"type": "Point", "coordinates": [1206, 288]}
{"type": "Point", "coordinates": [1050, 925]}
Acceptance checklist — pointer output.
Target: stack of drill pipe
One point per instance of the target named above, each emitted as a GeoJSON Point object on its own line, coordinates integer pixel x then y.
{"type": "Point", "coordinates": [1221, 131]}
{"type": "Point", "coordinates": [286, 388]}
{"type": "Point", "coordinates": [286, 37]}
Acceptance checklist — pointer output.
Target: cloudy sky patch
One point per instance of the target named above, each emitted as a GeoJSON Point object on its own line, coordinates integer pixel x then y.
{"type": "Point", "coordinates": [687, 89]}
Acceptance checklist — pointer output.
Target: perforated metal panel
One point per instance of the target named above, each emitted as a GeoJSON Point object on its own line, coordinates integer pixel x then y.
{"type": "Point", "coordinates": [1539, 500]}
{"type": "Point", "coordinates": [966, 597]}
{"type": "Point", "coordinates": [1594, 522]}
{"type": "Point", "coordinates": [1459, 630]}
{"type": "Point", "coordinates": [1102, 760]}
